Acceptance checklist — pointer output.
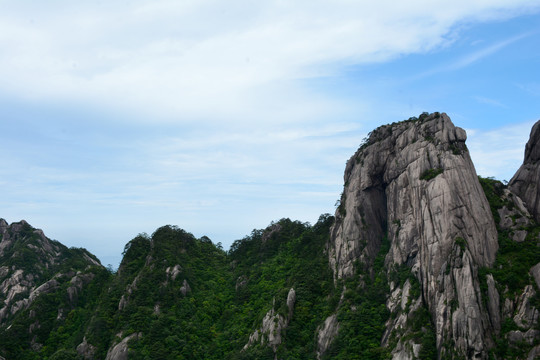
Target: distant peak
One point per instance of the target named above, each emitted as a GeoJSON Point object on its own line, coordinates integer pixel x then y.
{"type": "Point", "coordinates": [532, 149]}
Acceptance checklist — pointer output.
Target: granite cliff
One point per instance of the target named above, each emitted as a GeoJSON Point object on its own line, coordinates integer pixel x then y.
{"type": "Point", "coordinates": [413, 185]}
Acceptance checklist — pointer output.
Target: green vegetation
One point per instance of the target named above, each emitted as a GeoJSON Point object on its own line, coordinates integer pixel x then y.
{"type": "Point", "coordinates": [56, 319]}
{"type": "Point", "coordinates": [384, 131]}
{"type": "Point", "coordinates": [363, 313]}
{"type": "Point", "coordinates": [226, 297]}
{"type": "Point", "coordinates": [514, 259]}
{"type": "Point", "coordinates": [461, 242]}
{"type": "Point", "coordinates": [186, 298]}
{"type": "Point", "coordinates": [431, 173]}
{"type": "Point", "coordinates": [457, 148]}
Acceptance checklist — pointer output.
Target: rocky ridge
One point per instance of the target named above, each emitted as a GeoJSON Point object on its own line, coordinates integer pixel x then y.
{"type": "Point", "coordinates": [28, 259]}
{"type": "Point", "coordinates": [33, 269]}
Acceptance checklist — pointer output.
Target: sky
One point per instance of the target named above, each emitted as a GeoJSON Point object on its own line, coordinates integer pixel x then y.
{"type": "Point", "coordinates": [118, 117]}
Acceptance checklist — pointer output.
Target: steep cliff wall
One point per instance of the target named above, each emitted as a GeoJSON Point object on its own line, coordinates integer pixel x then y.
{"type": "Point", "coordinates": [414, 183]}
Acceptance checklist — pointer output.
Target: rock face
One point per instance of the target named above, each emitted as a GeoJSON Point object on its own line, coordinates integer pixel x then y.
{"type": "Point", "coordinates": [327, 332]}
{"type": "Point", "coordinates": [414, 183]}
{"type": "Point", "coordinates": [273, 324]}
{"type": "Point", "coordinates": [120, 350]}
{"type": "Point", "coordinates": [86, 350]}
{"type": "Point", "coordinates": [525, 181]}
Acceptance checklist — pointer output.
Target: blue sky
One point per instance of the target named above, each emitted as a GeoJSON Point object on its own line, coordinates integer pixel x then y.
{"type": "Point", "coordinates": [119, 117]}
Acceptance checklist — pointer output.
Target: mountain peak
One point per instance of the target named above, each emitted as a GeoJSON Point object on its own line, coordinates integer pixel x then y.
{"type": "Point", "coordinates": [413, 185]}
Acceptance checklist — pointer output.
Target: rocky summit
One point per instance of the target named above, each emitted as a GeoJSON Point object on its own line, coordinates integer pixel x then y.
{"type": "Point", "coordinates": [423, 259]}
{"type": "Point", "coordinates": [414, 183]}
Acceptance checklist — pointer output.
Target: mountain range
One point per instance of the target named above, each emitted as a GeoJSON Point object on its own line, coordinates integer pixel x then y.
{"type": "Point", "coordinates": [422, 259]}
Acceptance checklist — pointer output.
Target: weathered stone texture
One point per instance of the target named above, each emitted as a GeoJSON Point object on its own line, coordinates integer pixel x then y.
{"type": "Point", "coordinates": [415, 183]}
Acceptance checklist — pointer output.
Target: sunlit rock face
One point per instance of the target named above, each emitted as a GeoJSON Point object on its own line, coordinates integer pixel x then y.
{"type": "Point", "coordinates": [414, 183]}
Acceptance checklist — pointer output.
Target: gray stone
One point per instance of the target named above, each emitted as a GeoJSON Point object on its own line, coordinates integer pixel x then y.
{"type": "Point", "coordinates": [415, 181]}
{"type": "Point", "coordinates": [525, 182]}
{"type": "Point", "coordinates": [120, 350]}
{"type": "Point", "coordinates": [526, 314]}
{"type": "Point", "coordinates": [129, 290]}
{"type": "Point", "coordinates": [326, 334]}
{"type": "Point", "coordinates": [185, 288]}
{"type": "Point", "coordinates": [519, 235]}
{"type": "Point", "coordinates": [173, 272]}
{"type": "Point", "coordinates": [241, 282]}
{"type": "Point", "coordinates": [535, 272]}
{"type": "Point", "coordinates": [291, 300]}
{"type": "Point", "coordinates": [534, 354]}
{"type": "Point", "coordinates": [493, 304]}
{"type": "Point", "coordinates": [86, 350]}
{"type": "Point", "coordinates": [273, 325]}
{"type": "Point", "coordinates": [518, 337]}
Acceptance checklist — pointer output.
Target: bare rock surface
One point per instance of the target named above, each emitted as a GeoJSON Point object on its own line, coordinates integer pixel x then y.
{"type": "Point", "coordinates": [326, 334]}
{"type": "Point", "coordinates": [120, 350]}
{"type": "Point", "coordinates": [534, 354]}
{"type": "Point", "coordinates": [273, 325]}
{"type": "Point", "coordinates": [172, 272]}
{"type": "Point", "coordinates": [86, 350]}
{"type": "Point", "coordinates": [493, 303]}
{"type": "Point", "coordinates": [526, 314]}
{"type": "Point", "coordinates": [415, 183]}
{"type": "Point", "coordinates": [525, 182]}
{"type": "Point", "coordinates": [185, 288]}
{"type": "Point", "coordinates": [535, 272]}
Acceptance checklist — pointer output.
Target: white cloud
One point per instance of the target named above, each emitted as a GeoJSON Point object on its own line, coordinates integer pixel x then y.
{"type": "Point", "coordinates": [484, 52]}
{"type": "Point", "coordinates": [209, 59]}
{"type": "Point", "coordinates": [472, 58]}
{"type": "Point", "coordinates": [489, 101]}
{"type": "Point", "coordinates": [499, 152]}
{"type": "Point", "coordinates": [532, 88]}
{"type": "Point", "coordinates": [248, 138]}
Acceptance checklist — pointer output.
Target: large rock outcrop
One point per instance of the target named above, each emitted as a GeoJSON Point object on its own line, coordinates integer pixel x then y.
{"type": "Point", "coordinates": [414, 183]}
{"type": "Point", "coordinates": [525, 182]}
{"type": "Point", "coordinates": [273, 325]}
